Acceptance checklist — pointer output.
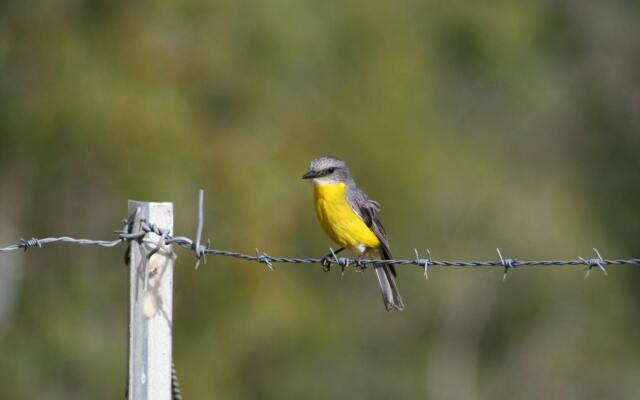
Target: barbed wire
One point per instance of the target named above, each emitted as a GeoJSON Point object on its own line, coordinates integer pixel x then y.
{"type": "Point", "coordinates": [32, 243]}
{"type": "Point", "coordinates": [126, 235]}
{"type": "Point", "coordinates": [201, 251]}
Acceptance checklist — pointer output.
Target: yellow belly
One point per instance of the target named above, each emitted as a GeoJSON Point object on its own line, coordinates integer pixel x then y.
{"type": "Point", "coordinates": [339, 220]}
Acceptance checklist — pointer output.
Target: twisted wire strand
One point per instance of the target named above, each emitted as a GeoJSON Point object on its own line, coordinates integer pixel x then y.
{"type": "Point", "coordinates": [176, 392]}
{"type": "Point", "coordinates": [33, 243]}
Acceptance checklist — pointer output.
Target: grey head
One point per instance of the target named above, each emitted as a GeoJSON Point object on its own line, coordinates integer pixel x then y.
{"type": "Point", "coordinates": [328, 169]}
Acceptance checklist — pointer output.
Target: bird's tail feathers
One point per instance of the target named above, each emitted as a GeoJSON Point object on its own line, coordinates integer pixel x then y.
{"type": "Point", "coordinates": [390, 293]}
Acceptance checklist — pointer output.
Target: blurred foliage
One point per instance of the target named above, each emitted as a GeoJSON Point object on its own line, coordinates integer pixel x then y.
{"type": "Point", "coordinates": [504, 123]}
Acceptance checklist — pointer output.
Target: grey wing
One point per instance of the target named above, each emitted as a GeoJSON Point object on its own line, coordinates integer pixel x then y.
{"type": "Point", "coordinates": [368, 210]}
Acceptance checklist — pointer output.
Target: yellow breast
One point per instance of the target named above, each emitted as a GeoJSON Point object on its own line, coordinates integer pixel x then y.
{"type": "Point", "coordinates": [338, 219]}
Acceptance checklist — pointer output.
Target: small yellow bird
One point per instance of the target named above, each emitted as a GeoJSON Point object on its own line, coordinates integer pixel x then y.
{"type": "Point", "coordinates": [350, 218]}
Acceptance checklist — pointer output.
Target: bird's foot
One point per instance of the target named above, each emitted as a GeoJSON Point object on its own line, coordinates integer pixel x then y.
{"type": "Point", "coordinates": [330, 259]}
{"type": "Point", "coordinates": [359, 267]}
{"type": "Point", "coordinates": [326, 262]}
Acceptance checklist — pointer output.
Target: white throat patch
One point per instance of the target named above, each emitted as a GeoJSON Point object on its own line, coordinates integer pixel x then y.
{"type": "Point", "coordinates": [325, 180]}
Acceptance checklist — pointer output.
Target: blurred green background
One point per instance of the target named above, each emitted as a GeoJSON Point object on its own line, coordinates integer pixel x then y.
{"type": "Point", "coordinates": [511, 124]}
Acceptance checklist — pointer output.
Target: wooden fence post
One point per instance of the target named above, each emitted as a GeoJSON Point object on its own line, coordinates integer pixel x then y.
{"type": "Point", "coordinates": [150, 305]}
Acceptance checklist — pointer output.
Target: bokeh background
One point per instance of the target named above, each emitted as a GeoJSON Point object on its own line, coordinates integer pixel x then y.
{"type": "Point", "coordinates": [511, 124]}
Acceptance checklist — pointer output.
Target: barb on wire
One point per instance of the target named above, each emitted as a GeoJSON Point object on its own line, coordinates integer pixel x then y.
{"type": "Point", "coordinates": [265, 259]}
{"type": "Point", "coordinates": [424, 262]}
{"type": "Point", "coordinates": [594, 262]}
{"type": "Point", "coordinates": [200, 254]}
{"type": "Point", "coordinates": [506, 264]}
{"type": "Point", "coordinates": [125, 235]}
{"type": "Point", "coordinates": [344, 262]}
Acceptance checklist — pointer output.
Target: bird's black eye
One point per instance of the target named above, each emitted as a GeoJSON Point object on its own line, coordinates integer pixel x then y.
{"type": "Point", "coordinates": [330, 170]}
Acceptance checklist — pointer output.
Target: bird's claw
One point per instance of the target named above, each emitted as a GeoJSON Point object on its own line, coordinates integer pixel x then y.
{"type": "Point", "coordinates": [359, 267]}
{"type": "Point", "coordinates": [326, 263]}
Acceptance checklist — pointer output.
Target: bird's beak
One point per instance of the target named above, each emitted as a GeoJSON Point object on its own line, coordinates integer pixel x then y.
{"type": "Point", "coordinates": [310, 175]}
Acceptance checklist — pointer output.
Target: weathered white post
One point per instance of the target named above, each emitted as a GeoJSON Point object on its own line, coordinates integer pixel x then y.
{"type": "Point", "coordinates": [151, 304]}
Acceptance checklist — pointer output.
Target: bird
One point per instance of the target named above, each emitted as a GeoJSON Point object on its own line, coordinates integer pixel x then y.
{"type": "Point", "coordinates": [351, 219]}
